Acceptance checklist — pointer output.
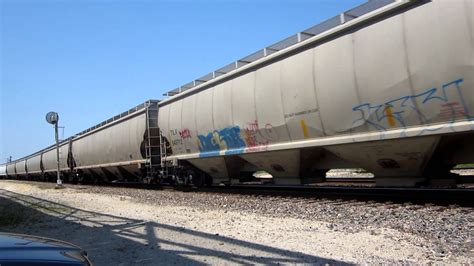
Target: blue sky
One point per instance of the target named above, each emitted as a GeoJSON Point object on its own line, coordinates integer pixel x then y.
{"type": "Point", "coordinates": [90, 60]}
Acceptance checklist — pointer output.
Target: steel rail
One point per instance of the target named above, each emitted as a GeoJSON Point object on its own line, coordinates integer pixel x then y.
{"type": "Point", "coordinates": [423, 195]}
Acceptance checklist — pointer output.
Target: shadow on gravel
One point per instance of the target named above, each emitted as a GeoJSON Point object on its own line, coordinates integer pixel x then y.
{"type": "Point", "coordinates": [115, 240]}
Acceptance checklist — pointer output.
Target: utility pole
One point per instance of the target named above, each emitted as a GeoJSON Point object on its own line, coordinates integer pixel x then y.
{"type": "Point", "coordinates": [53, 118]}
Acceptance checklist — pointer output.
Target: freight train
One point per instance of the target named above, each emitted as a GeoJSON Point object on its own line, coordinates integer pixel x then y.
{"type": "Point", "coordinates": [117, 149]}
{"type": "Point", "coordinates": [387, 86]}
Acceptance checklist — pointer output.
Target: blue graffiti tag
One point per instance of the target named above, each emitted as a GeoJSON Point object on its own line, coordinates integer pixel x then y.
{"type": "Point", "coordinates": [227, 139]}
{"type": "Point", "coordinates": [394, 111]}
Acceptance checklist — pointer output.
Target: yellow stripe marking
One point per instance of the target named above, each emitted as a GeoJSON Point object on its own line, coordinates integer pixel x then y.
{"type": "Point", "coordinates": [304, 128]}
{"type": "Point", "coordinates": [390, 118]}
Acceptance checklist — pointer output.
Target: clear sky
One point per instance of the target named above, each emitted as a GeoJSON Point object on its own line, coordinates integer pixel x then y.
{"type": "Point", "coordinates": [92, 59]}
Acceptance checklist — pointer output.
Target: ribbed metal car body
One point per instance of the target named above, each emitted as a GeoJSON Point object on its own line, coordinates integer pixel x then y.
{"type": "Point", "coordinates": [114, 150]}
{"type": "Point", "coordinates": [384, 89]}
{"type": "Point", "coordinates": [387, 91]}
{"type": "Point", "coordinates": [33, 165]}
{"type": "Point", "coordinates": [20, 167]}
{"type": "Point", "coordinates": [49, 159]}
{"type": "Point", "coordinates": [11, 169]}
{"type": "Point", "coordinates": [3, 171]}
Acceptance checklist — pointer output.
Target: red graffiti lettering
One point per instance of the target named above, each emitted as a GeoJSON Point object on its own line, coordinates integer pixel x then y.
{"type": "Point", "coordinates": [185, 133]}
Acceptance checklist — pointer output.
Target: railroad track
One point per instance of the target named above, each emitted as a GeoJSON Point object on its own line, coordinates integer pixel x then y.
{"type": "Point", "coordinates": [425, 195]}
{"type": "Point", "coordinates": [350, 179]}
{"type": "Point", "coordinates": [438, 196]}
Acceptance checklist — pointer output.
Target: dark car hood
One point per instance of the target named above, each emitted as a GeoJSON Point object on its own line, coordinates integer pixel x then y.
{"type": "Point", "coordinates": [16, 248]}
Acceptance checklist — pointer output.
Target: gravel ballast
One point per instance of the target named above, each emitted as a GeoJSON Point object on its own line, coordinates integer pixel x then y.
{"type": "Point", "coordinates": [124, 226]}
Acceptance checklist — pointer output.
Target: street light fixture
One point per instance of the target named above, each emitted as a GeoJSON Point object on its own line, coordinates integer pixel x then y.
{"type": "Point", "coordinates": [53, 118]}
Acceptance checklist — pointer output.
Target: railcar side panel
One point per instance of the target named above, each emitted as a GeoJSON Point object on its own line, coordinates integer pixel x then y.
{"type": "Point", "coordinates": [119, 144]}
{"type": "Point", "coordinates": [457, 31]}
{"type": "Point", "coordinates": [209, 140]}
{"type": "Point", "coordinates": [188, 129]}
{"type": "Point", "coordinates": [408, 75]}
{"type": "Point", "coordinates": [426, 59]}
{"type": "Point", "coordinates": [222, 112]}
{"type": "Point", "coordinates": [382, 76]}
{"type": "Point", "coordinates": [269, 105]}
{"type": "Point", "coordinates": [20, 167]}
{"type": "Point", "coordinates": [243, 105]}
{"type": "Point", "coordinates": [49, 161]}
{"type": "Point", "coordinates": [33, 164]}
{"type": "Point", "coordinates": [3, 170]}
{"type": "Point", "coordinates": [300, 103]}
{"type": "Point", "coordinates": [163, 121]}
{"type": "Point", "coordinates": [336, 87]}
{"type": "Point", "coordinates": [63, 153]}
{"type": "Point", "coordinates": [11, 170]}
{"type": "Point", "coordinates": [375, 79]}
{"type": "Point", "coordinates": [176, 131]}
{"type": "Point", "coordinates": [135, 138]}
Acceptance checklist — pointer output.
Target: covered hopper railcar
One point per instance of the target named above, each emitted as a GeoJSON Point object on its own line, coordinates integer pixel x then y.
{"type": "Point", "coordinates": [387, 86]}
{"type": "Point", "coordinates": [33, 165]}
{"type": "Point", "coordinates": [10, 167]}
{"type": "Point", "coordinates": [20, 168]}
{"type": "Point", "coordinates": [121, 148]}
{"type": "Point", "coordinates": [3, 171]}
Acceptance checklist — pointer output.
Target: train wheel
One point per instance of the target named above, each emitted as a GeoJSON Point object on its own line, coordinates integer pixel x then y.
{"type": "Point", "coordinates": [208, 180]}
{"type": "Point", "coordinates": [150, 180]}
{"type": "Point", "coordinates": [197, 179]}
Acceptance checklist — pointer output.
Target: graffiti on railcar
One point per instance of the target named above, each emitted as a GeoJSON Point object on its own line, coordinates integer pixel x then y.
{"type": "Point", "coordinates": [266, 134]}
{"type": "Point", "coordinates": [446, 99]}
{"type": "Point", "coordinates": [227, 139]}
{"type": "Point", "coordinates": [252, 134]}
{"type": "Point", "coordinates": [174, 137]}
{"type": "Point", "coordinates": [234, 140]}
{"type": "Point", "coordinates": [185, 133]}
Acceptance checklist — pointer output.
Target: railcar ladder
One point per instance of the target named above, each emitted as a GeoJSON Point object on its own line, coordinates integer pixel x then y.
{"type": "Point", "coordinates": [152, 141]}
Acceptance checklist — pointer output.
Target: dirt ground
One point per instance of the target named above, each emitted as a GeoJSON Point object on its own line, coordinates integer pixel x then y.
{"type": "Point", "coordinates": [117, 230]}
